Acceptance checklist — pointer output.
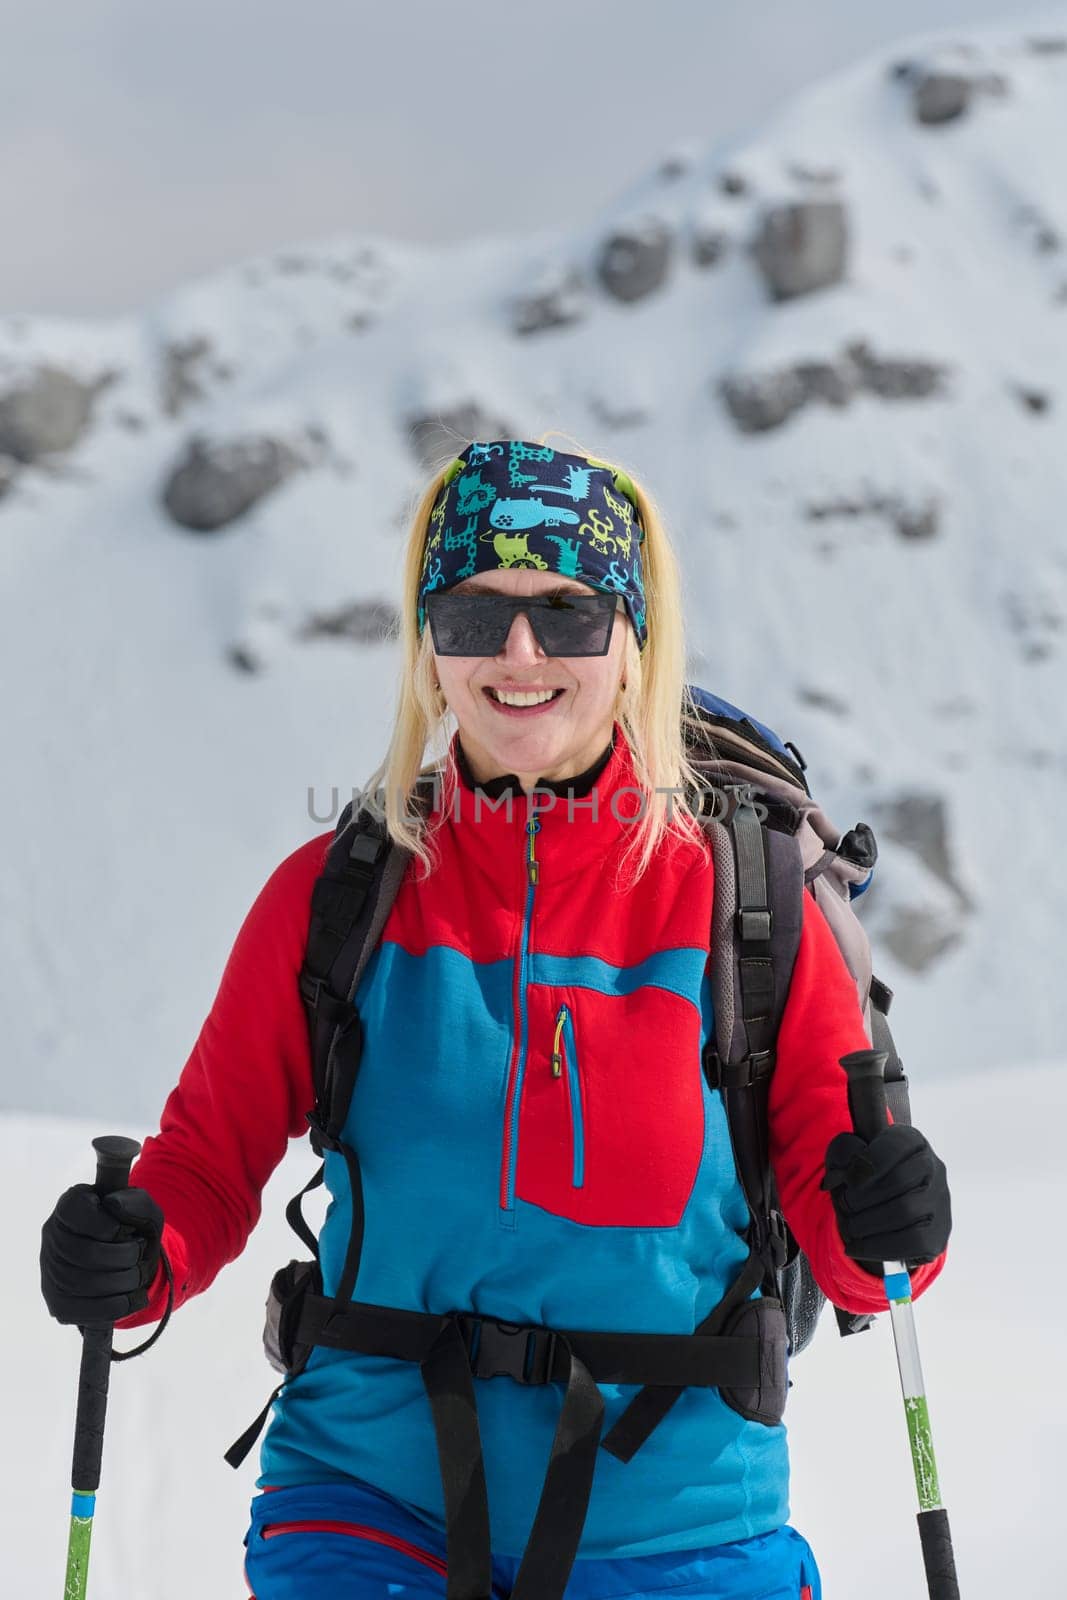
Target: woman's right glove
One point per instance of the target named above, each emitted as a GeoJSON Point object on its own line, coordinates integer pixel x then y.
{"type": "Point", "coordinates": [99, 1254]}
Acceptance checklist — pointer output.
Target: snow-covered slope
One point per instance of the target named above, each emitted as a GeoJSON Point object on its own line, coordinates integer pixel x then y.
{"type": "Point", "coordinates": [171, 1514]}
{"type": "Point", "coordinates": [866, 483]}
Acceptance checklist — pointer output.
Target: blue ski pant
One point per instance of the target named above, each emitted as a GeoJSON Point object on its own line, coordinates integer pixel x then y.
{"type": "Point", "coordinates": [350, 1542]}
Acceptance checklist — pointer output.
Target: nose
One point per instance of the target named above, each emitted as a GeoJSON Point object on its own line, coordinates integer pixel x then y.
{"type": "Point", "coordinates": [521, 643]}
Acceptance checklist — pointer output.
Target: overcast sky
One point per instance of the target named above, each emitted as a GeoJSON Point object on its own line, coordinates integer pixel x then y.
{"type": "Point", "coordinates": [142, 143]}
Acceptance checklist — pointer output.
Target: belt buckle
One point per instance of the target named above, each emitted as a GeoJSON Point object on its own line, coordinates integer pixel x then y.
{"type": "Point", "coordinates": [511, 1350]}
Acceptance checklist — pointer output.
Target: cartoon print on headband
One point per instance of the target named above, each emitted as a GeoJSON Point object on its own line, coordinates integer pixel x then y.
{"type": "Point", "coordinates": [498, 503]}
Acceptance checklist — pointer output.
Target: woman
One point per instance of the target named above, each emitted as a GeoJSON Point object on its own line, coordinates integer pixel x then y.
{"type": "Point", "coordinates": [537, 1143]}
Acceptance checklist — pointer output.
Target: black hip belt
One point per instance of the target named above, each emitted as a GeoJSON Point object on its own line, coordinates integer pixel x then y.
{"type": "Point", "coordinates": [739, 1348]}
{"type": "Point", "coordinates": [534, 1355]}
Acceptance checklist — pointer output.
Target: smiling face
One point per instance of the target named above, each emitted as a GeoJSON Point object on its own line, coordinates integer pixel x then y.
{"type": "Point", "coordinates": [557, 740]}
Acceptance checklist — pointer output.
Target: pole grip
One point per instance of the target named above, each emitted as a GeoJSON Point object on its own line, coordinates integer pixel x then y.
{"type": "Point", "coordinates": [938, 1559]}
{"type": "Point", "coordinates": [866, 1091]}
{"type": "Point", "coordinates": [114, 1158]}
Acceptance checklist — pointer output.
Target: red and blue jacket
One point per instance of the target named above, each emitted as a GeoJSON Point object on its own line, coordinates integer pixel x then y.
{"type": "Point", "coordinates": [538, 1144]}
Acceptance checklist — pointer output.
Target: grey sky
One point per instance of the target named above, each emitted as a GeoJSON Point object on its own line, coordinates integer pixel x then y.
{"type": "Point", "coordinates": [142, 143]}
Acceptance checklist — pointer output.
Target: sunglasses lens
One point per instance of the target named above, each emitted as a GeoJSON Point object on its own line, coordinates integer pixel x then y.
{"type": "Point", "coordinates": [478, 625]}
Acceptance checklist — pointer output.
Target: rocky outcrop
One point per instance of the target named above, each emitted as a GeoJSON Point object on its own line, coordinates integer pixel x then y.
{"type": "Point", "coordinates": [217, 481]}
{"type": "Point", "coordinates": [436, 435]}
{"type": "Point", "coordinates": [919, 936]}
{"type": "Point", "coordinates": [802, 246]}
{"type": "Point", "coordinates": [635, 259]}
{"type": "Point", "coordinates": [921, 911]}
{"type": "Point", "coordinates": [915, 518]}
{"type": "Point", "coordinates": [45, 413]}
{"type": "Point", "coordinates": [919, 821]}
{"type": "Point", "coordinates": [945, 86]}
{"type": "Point", "coordinates": [360, 622]}
{"type": "Point", "coordinates": [709, 240]}
{"type": "Point", "coordinates": [189, 365]}
{"type": "Point", "coordinates": [762, 401]}
{"type": "Point", "coordinates": [556, 298]}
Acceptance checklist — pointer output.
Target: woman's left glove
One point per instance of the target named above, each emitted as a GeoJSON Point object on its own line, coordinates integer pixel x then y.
{"type": "Point", "coordinates": [891, 1197]}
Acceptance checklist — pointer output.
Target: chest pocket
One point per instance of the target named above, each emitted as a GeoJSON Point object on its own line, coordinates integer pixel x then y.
{"type": "Point", "coordinates": [611, 1120]}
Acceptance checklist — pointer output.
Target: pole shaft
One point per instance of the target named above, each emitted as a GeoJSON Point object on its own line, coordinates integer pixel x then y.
{"type": "Point", "coordinates": [114, 1157]}
{"type": "Point", "coordinates": [867, 1103]}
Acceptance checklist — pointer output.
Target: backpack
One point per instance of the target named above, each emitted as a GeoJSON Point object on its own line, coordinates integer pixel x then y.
{"type": "Point", "coordinates": [770, 843]}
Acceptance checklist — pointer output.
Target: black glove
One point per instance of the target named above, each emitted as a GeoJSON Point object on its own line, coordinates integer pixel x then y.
{"type": "Point", "coordinates": [891, 1197]}
{"type": "Point", "coordinates": [99, 1254]}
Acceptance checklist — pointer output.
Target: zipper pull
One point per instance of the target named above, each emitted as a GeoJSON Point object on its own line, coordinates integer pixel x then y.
{"type": "Point", "coordinates": [557, 1058]}
{"type": "Point", "coordinates": [532, 866]}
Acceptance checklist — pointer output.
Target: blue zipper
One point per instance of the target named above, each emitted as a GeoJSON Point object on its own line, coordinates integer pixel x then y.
{"type": "Point", "coordinates": [574, 1090]}
{"type": "Point", "coordinates": [533, 826]}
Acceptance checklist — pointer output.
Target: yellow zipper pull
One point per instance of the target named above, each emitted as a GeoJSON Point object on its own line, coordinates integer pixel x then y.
{"type": "Point", "coordinates": [531, 860]}
{"type": "Point", "coordinates": [557, 1058]}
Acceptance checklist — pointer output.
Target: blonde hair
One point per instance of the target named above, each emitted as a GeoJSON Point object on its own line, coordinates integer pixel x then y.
{"type": "Point", "coordinates": [650, 708]}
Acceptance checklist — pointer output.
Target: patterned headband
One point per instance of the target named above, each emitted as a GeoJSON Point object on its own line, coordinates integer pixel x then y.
{"type": "Point", "coordinates": [508, 504]}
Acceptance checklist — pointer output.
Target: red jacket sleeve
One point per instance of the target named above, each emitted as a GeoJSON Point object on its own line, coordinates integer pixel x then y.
{"type": "Point", "coordinates": [242, 1094]}
{"type": "Point", "coordinates": [809, 1105]}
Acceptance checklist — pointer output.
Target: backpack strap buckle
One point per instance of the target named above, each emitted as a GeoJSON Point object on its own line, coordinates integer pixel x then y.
{"type": "Point", "coordinates": [736, 1074]}
{"type": "Point", "coordinates": [508, 1349]}
{"type": "Point", "coordinates": [754, 924]}
{"type": "Point", "coordinates": [777, 1238]}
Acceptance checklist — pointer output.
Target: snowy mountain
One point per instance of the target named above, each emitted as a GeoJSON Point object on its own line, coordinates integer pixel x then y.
{"type": "Point", "coordinates": [837, 355]}
{"type": "Point", "coordinates": [171, 1514]}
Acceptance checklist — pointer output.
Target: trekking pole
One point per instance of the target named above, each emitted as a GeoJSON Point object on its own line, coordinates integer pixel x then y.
{"type": "Point", "coordinates": [114, 1158]}
{"type": "Point", "coordinates": [867, 1104]}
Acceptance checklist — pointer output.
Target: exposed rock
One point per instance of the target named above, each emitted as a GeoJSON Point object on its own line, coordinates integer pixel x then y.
{"type": "Point", "coordinates": [217, 481]}
{"type": "Point", "coordinates": [362, 621]}
{"type": "Point", "coordinates": [708, 242]}
{"type": "Point", "coordinates": [760, 401]}
{"type": "Point", "coordinates": [941, 97]}
{"type": "Point", "coordinates": [802, 247]}
{"type": "Point", "coordinates": [920, 520]}
{"type": "Point", "coordinates": [822, 700]}
{"type": "Point", "coordinates": [919, 821]}
{"type": "Point", "coordinates": [183, 378]}
{"type": "Point", "coordinates": [8, 473]}
{"type": "Point", "coordinates": [918, 937]}
{"type": "Point", "coordinates": [45, 413]}
{"type": "Point", "coordinates": [1037, 401]}
{"type": "Point", "coordinates": [944, 87]}
{"type": "Point", "coordinates": [635, 259]}
{"type": "Point", "coordinates": [894, 379]}
{"type": "Point", "coordinates": [244, 659]}
{"type": "Point", "coordinates": [912, 519]}
{"type": "Point", "coordinates": [1049, 45]}
{"type": "Point", "coordinates": [558, 298]}
{"type": "Point", "coordinates": [442, 434]}
{"type": "Point", "coordinates": [833, 382]}
{"type": "Point", "coordinates": [733, 184]}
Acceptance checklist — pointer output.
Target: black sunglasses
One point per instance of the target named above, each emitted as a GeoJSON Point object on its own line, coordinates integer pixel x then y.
{"type": "Point", "coordinates": [479, 624]}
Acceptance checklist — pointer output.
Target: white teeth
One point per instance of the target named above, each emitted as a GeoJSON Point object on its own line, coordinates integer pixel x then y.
{"type": "Point", "coordinates": [532, 699]}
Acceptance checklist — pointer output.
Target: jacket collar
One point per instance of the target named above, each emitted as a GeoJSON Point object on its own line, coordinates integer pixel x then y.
{"type": "Point", "coordinates": [580, 784]}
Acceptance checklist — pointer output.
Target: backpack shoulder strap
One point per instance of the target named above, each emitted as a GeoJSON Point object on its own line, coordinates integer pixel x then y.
{"type": "Point", "coordinates": [755, 935]}
{"type": "Point", "coordinates": [350, 904]}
